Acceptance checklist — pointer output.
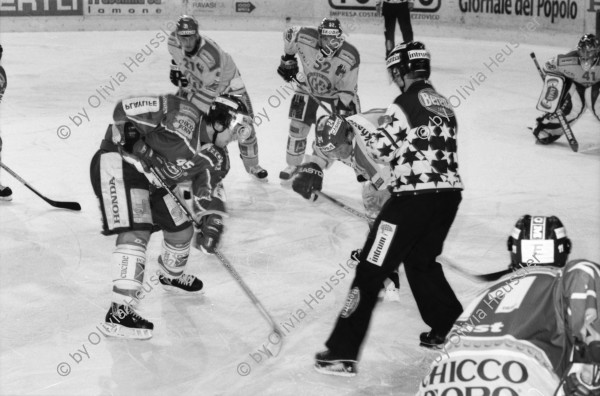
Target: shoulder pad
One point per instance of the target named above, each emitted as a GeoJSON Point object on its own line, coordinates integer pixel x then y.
{"type": "Point", "coordinates": [210, 53]}
{"type": "Point", "coordinates": [141, 105]}
{"type": "Point", "coordinates": [308, 36]}
{"type": "Point", "coordinates": [349, 54]}
{"type": "Point", "coordinates": [567, 60]}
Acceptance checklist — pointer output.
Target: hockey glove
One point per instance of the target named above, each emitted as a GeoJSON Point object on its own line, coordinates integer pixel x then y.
{"type": "Point", "coordinates": [177, 77]}
{"type": "Point", "coordinates": [309, 178]}
{"type": "Point", "coordinates": [575, 386]}
{"type": "Point", "coordinates": [288, 68]}
{"type": "Point", "coordinates": [207, 238]}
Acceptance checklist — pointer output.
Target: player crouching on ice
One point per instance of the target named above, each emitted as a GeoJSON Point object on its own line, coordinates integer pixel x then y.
{"type": "Point", "coordinates": [572, 82]}
{"type": "Point", "coordinates": [335, 140]}
{"type": "Point", "coordinates": [534, 332]}
{"type": "Point", "coordinates": [186, 149]}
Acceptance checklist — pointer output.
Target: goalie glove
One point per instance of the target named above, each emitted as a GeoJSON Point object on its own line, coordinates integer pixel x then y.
{"type": "Point", "coordinates": [208, 235]}
{"type": "Point", "coordinates": [288, 68]}
{"type": "Point", "coordinates": [309, 178]}
{"type": "Point", "coordinates": [177, 77]}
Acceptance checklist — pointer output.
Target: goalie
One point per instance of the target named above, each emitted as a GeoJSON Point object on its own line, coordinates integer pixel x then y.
{"type": "Point", "coordinates": [536, 331]}
{"type": "Point", "coordinates": [188, 152]}
{"type": "Point", "coordinates": [571, 83]}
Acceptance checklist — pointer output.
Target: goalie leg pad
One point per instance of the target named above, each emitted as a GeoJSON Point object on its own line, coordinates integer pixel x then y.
{"type": "Point", "coordinates": [129, 261]}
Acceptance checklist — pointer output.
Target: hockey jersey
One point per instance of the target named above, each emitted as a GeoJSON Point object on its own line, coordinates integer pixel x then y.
{"type": "Point", "coordinates": [417, 138]}
{"type": "Point", "coordinates": [210, 71]}
{"type": "Point", "coordinates": [512, 337]}
{"type": "Point", "coordinates": [177, 132]}
{"type": "Point", "coordinates": [364, 166]}
{"type": "Point", "coordinates": [333, 77]}
{"type": "Point", "coordinates": [569, 66]}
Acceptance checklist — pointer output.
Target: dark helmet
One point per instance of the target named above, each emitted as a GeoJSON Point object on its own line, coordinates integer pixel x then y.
{"type": "Point", "coordinates": [588, 50]}
{"type": "Point", "coordinates": [331, 134]}
{"type": "Point", "coordinates": [187, 26]}
{"type": "Point", "coordinates": [330, 27]}
{"type": "Point", "coordinates": [232, 114]}
{"type": "Point", "coordinates": [410, 60]}
{"type": "Point", "coordinates": [538, 240]}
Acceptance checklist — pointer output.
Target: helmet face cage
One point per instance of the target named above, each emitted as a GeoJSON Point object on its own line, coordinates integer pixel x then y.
{"type": "Point", "coordinates": [230, 112]}
{"type": "Point", "coordinates": [330, 36]}
{"type": "Point", "coordinates": [538, 240]}
{"type": "Point", "coordinates": [588, 50]}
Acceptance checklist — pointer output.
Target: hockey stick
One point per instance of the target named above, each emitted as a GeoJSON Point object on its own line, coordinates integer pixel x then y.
{"type": "Point", "coordinates": [313, 97]}
{"type": "Point", "coordinates": [444, 260]}
{"type": "Point", "coordinates": [56, 204]}
{"type": "Point", "coordinates": [559, 114]}
{"type": "Point", "coordinates": [226, 263]}
{"type": "Point", "coordinates": [342, 205]}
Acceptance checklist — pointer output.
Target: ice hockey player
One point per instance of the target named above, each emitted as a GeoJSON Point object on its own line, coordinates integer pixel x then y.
{"type": "Point", "coordinates": [187, 150]}
{"type": "Point", "coordinates": [330, 66]}
{"type": "Point", "coordinates": [5, 191]}
{"type": "Point", "coordinates": [204, 71]}
{"type": "Point", "coordinates": [535, 332]}
{"type": "Point", "coordinates": [571, 83]}
{"type": "Point", "coordinates": [336, 140]}
{"type": "Point", "coordinates": [417, 138]}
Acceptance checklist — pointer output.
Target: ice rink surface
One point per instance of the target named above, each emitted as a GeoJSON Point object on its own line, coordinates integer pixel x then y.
{"type": "Point", "coordinates": [55, 272]}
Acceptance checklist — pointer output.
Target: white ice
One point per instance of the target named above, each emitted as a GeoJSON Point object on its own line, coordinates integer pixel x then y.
{"type": "Point", "coordinates": [55, 272]}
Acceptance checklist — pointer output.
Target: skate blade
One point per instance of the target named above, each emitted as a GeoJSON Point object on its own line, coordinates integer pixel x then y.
{"type": "Point", "coordinates": [178, 290]}
{"type": "Point", "coordinates": [118, 331]}
{"type": "Point", "coordinates": [6, 199]}
{"type": "Point", "coordinates": [432, 347]}
{"type": "Point", "coordinates": [329, 370]}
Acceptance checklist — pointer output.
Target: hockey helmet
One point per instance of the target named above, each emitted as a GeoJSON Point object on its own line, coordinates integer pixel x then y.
{"type": "Point", "coordinates": [538, 240]}
{"type": "Point", "coordinates": [410, 60]}
{"type": "Point", "coordinates": [187, 26]}
{"type": "Point", "coordinates": [333, 137]}
{"type": "Point", "coordinates": [330, 36]}
{"type": "Point", "coordinates": [588, 50]}
{"type": "Point", "coordinates": [229, 112]}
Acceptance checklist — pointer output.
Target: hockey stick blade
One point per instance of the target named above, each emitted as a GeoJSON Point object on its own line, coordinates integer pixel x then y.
{"type": "Point", "coordinates": [559, 114]}
{"type": "Point", "coordinates": [57, 204]}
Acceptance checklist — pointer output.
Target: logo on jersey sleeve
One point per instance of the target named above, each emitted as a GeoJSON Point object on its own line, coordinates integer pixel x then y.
{"type": "Point", "coordinates": [136, 106]}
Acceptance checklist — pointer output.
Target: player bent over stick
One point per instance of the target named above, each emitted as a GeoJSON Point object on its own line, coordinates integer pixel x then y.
{"type": "Point", "coordinates": [187, 150]}
{"type": "Point", "coordinates": [535, 332]}
{"type": "Point", "coordinates": [330, 65]}
{"type": "Point", "coordinates": [336, 140]}
{"type": "Point", "coordinates": [569, 80]}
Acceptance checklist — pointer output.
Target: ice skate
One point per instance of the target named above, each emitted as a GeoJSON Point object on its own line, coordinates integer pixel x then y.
{"type": "Point", "coordinates": [327, 363]}
{"type": "Point", "coordinates": [5, 193]}
{"type": "Point", "coordinates": [258, 173]}
{"type": "Point", "coordinates": [186, 283]}
{"type": "Point", "coordinates": [288, 173]}
{"type": "Point", "coordinates": [122, 321]}
{"type": "Point", "coordinates": [432, 340]}
{"type": "Point", "coordinates": [391, 292]}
